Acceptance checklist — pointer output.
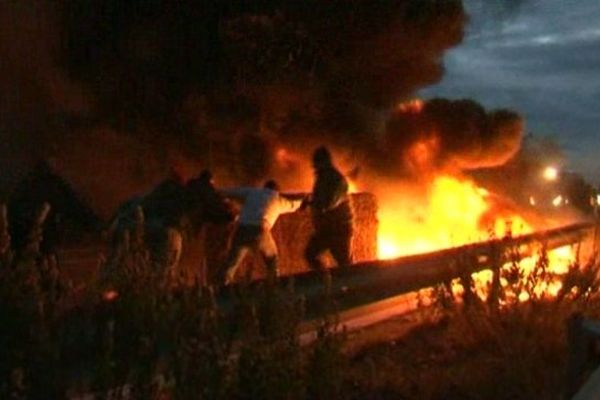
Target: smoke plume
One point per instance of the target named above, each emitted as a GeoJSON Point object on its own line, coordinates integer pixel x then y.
{"type": "Point", "coordinates": [459, 135]}
{"type": "Point", "coordinates": [224, 84]}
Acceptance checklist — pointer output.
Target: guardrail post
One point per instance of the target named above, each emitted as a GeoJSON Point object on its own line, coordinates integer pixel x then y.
{"type": "Point", "coordinates": [496, 265]}
{"type": "Point", "coordinates": [466, 279]}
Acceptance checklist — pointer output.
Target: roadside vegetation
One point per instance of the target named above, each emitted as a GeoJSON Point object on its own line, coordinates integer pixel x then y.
{"type": "Point", "coordinates": [480, 349]}
{"type": "Point", "coordinates": [132, 334]}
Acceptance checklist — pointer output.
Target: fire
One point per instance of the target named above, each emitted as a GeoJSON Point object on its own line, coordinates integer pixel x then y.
{"type": "Point", "coordinates": [454, 211]}
{"type": "Point", "coordinates": [352, 186]}
{"type": "Point", "coordinates": [414, 106]}
{"type": "Point", "coordinates": [450, 213]}
{"type": "Point", "coordinates": [421, 155]}
{"type": "Point", "coordinates": [549, 286]}
{"type": "Point", "coordinates": [446, 211]}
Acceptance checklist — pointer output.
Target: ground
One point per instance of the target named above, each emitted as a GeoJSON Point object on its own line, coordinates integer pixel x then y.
{"type": "Point", "coordinates": [460, 356]}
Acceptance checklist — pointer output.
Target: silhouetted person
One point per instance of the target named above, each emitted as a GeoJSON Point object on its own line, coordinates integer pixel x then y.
{"type": "Point", "coordinates": [201, 190]}
{"type": "Point", "coordinates": [260, 210]}
{"type": "Point", "coordinates": [67, 210]}
{"type": "Point", "coordinates": [166, 202]}
{"type": "Point", "coordinates": [331, 213]}
{"type": "Point", "coordinates": [171, 213]}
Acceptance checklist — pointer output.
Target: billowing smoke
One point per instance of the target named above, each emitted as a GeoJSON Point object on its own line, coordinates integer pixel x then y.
{"type": "Point", "coordinates": [223, 84]}
{"type": "Point", "coordinates": [458, 135]}
{"type": "Point", "coordinates": [239, 77]}
{"type": "Point", "coordinates": [37, 99]}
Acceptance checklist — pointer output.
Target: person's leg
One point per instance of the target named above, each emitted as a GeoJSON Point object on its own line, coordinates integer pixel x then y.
{"type": "Point", "coordinates": [341, 246]}
{"type": "Point", "coordinates": [174, 248]}
{"type": "Point", "coordinates": [240, 246]}
{"type": "Point", "coordinates": [268, 250]}
{"type": "Point", "coordinates": [316, 245]}
{"type": "Point", "coordinates": [234, 260]}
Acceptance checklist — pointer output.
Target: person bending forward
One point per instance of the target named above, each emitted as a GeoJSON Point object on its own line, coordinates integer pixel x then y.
{"type": "Point", "coordinates": [260, 210]}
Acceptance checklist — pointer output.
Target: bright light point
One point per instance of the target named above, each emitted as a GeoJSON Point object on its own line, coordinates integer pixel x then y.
{"type": "Point", "coordinates": [352, 188]}
{"type": "Point", "coordinates": [523, 297]}
{"type": "Point", "coordinates": [387, 249]}
{"type": "Point", "coordinates": [550, 173]}
{"type": "Point", "coordinates": [558, 200]}
{"type": "Point", "coordinates": [414, 106]}
{"type": "Point", "coordinates": [532, 200]}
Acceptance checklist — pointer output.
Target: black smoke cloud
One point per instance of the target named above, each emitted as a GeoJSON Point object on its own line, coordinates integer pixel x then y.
{"type": "Point", "coordinates": [455, 134]}
{"type": "Point", "coordinates": [293, 68]}
{"type": "Point", "coordinates": [221, 82]}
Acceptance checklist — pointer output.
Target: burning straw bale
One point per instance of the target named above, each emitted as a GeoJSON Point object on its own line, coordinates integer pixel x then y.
{"type": "Point", "coordinates": [291, 232]}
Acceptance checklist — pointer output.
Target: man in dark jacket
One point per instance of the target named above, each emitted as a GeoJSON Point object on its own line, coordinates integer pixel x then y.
{"type": "Point", "coordinates": [331, 212]}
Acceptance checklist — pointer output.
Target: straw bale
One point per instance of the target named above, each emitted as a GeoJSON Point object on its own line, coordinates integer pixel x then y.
{"type": "Point", "coordinates": [206, 252]}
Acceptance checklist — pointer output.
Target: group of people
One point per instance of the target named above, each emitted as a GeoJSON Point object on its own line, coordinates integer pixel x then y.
{"type": "Point", "coordinates": [176, 206]}
{"type": "Point", "coordinates": [261, 207]}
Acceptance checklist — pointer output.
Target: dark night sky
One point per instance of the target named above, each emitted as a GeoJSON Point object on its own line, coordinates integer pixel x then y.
{"type": "Point", "coordinates": [541, 58]}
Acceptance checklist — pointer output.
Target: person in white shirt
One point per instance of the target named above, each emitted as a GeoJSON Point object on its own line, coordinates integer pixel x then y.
{"type": "Point", "coordinates": [260, 210]}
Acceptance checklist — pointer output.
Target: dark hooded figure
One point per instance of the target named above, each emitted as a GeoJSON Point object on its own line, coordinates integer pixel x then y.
{"type": "Point", "coordinates": [331, 212]}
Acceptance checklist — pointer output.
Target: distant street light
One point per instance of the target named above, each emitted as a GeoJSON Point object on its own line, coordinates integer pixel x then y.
{"type": "Point", "coordinates": [550, 173]}
{"type": "Point", "coordinates": [558, 201]}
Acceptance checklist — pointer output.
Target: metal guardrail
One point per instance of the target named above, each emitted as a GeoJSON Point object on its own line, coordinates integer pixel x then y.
{"type": "Point", "coordinates": [356, 289]}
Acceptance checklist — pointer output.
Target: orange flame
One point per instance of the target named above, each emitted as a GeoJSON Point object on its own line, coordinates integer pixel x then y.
{"type": "Point", "coordinates": [448, 214]}
{"type": "Point", "coordinates": [452, 212]}
{"type": "Point", "coordinates": [413, 106]}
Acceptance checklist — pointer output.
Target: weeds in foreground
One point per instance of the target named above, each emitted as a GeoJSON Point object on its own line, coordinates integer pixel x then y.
{"type": "Point", "coordinates": [135, 335]}
{"type": "Point", "coordinates": [513, 348]}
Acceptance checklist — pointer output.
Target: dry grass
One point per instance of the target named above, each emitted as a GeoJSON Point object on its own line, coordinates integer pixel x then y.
{"type": "Point", "coordinates": [516, 350]}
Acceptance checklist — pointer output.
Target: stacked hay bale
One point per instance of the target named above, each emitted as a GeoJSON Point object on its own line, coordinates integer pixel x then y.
{"type": "Point", "coordinates": [206, 252]}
